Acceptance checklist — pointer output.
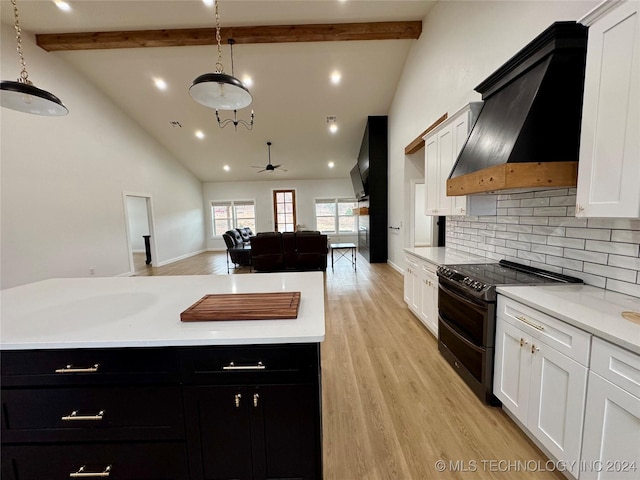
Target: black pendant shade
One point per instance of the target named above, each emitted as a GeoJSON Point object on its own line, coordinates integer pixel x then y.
{"type": "Point", "coordinates": [220, 91]}
{"type": "Point", "coordinates": [26, 98]}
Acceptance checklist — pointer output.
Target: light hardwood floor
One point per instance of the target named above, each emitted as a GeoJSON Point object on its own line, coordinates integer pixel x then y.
{"type": "Point", "coordinates": [392, 407]}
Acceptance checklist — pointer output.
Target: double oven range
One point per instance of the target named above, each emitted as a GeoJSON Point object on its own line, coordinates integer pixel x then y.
{"type": "Point", "coordinates": [467, 316]}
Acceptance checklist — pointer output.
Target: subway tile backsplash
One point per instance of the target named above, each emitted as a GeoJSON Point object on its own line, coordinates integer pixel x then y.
{"type": "Point", "coordinates": [539, 229]}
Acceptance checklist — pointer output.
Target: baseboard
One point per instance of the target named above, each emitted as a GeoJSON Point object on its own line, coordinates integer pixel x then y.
{"type": "Point", "coordinates": [395, 267]}
{"type": "Point", "coordinates": [216, 250]}
{"type": "Point", "coordinates": [175, 259]}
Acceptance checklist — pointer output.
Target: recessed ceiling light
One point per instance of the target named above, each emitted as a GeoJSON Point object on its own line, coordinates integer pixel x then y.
{"type": "Point", "coordinates": [333, 128]}
{"type": "Point", "coordinates": [208, 3]}
{"type": "Point", "coordinates": [335, 78]}
{"type": "Point", "coordinates": [331, 164]}
{"type": "Point", "coordinates": [226, 168]}
{"type": "Point", "coordinates": [160, 83]}
{"type": "Point", "coordinates": [62, 5]}
{"type": "Point", "coordinates": [248, 81]}
{"type": "Point", "coordinates": [199, 134]}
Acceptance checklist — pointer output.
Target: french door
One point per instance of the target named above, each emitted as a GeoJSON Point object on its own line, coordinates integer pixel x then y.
{"type": "Point", "coordinates": [284, 210]}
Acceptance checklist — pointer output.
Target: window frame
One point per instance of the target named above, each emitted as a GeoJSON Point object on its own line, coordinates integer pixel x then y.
{"type": "Point", "coordinates": [232, 204]}
{"type": "Point", "coordinates": [336, 222]}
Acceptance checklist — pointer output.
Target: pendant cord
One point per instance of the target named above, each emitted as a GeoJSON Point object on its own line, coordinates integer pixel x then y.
{"type": "Point", "coordinates": [219, 67]}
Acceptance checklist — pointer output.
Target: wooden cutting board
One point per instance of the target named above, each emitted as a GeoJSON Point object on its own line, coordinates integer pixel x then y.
{"type": "Point", "coordinates": [243, 306]}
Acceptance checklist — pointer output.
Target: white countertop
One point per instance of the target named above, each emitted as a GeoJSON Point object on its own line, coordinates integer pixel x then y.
{"type": "Point", "coordinates": [589, 308]}
{"type": "Point", "coordinates": [145, 311]}
{"type": "Point", "coordinates": [446, 256]}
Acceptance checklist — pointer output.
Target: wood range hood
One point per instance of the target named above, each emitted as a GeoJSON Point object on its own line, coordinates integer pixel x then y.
{"type": "Point", "coordinates": [527, 135]}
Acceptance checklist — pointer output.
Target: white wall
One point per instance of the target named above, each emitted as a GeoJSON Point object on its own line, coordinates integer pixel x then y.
{"type": "Point", "coordinates": [262, 193]}
{"type": "Point", "coordinates": [462, 43]}
{"type": "Point", "coordinates": [63, 179]}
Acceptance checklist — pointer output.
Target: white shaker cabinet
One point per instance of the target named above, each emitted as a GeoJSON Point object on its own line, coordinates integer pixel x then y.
{"type": "Point", "coordinates": [541, 376]}
{"type": "Point", "coordinates": [442, 146]}
{"type": "Point", "coordinates": [611, 444]}
{"type": "Point", "coordinates": [429, 308]}
{"type": "Point", "coordinates": [609, 166]}
{"type": "Point", "coordinates": [421, 291]}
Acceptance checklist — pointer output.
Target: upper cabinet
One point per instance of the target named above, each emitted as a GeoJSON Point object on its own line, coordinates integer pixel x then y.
{"type": "Point", "coordinates": [609, 167]}
{"type": "Point", "coordinates": [441, 148]}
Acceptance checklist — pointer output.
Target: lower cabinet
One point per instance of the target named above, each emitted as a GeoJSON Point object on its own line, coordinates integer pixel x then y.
{"type": "Point", "coordinates": [252, 432]}
{"type": "Point", "coordinates": [421, 291]}
{"type": "Point", "coordinates": [541, 387]}
{"type": "Point", "coordinates": [611, 441]}
{"type": "Point", "coordinates": [223, 412]}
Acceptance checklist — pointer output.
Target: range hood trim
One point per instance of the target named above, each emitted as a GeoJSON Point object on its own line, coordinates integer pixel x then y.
{"type": "Point", "coordinates": [522, 176]}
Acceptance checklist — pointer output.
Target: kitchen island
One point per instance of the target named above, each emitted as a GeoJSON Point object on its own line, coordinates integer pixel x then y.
{"type": "Point", "coordinates": [100, 376]}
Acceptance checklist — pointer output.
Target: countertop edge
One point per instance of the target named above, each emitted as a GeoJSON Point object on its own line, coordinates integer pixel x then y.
{"type": "Point", "coordinates": [445, 256]}
{"type": "Point", "coordinates": [587, 327]}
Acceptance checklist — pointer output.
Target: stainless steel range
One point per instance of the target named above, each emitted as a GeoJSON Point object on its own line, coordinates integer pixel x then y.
{"type": "Point", "coordinates": [467, 315]}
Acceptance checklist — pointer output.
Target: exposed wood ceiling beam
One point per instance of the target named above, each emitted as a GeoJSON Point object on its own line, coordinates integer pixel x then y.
{"type": "Point", "coordinates": [207, 36]}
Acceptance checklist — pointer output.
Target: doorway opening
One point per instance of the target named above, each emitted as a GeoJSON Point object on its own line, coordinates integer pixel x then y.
{"type": "Point", "coordinates": [424, 228]}
{"type": "Point", "coordinates": [140, 236]}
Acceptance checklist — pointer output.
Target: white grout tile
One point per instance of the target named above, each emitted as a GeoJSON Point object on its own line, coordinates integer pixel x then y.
{"type": "Point", "coordinates": [566, 242]}
{"type": "Point", "coordinates": [556, 192]}
{"type": "Point", "coordinates": [628, 249]}
{"type": "Point", "coordinates": [508, 203]}
{"type": "Point", "coordinates": [589, 233]}
{"type": "Point", "coordinates": [552, 231]}
{"type": "Point", "coordinates": [568, 221]}
{"type": "Point", "coordinates": [520, 211]}
{"type": "Point", "coordinates": [568, 201]}
{"type": "Point", "coordinates": [614, 223]}
{"type": "Point", "coordinates": [535, 202]}
{"type": "Point", "coordinates": [587, 278]}
{"type": "Point", "coordinates": [534, 220]}
{"type": "Point", "coordinates": [545, 266]}
{"type": "Point", "coordinates": [536, 257]}
{"type": "Point", "coordinates": [550, 211]}
{"type": "Point", "coordinates": [624, 262]}
{"type": "Point", "coordinates": [518, 245]}
{"type": "Point", "coordinates": [520, 228]}
{"type": "Point", "coordinates": [623, 287]}
{"type": "Point", "coordinates": [630, 236]}
{"type": "Point", "coordinates": [564, 262]}
{"type": "Point", "coordinates": [611, 272]}
{"type": "Point", "coordinates": [518, 196]}
{"type": "Point", "coordinates": [586, 256]}
{"type": "Point", "coordinates": [525, 237]}
{"type": "Point", "coordinates": [547, 250]}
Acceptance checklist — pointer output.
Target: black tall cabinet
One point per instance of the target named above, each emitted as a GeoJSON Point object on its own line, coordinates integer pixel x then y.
{"type": "Point", "coordinates": [373, 160]}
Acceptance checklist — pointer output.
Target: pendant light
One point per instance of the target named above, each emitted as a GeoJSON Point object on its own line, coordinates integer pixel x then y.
{"type": "Point", "coordinates": [22, 95]}
{"type": "Point", "coordinates": [219, 90]}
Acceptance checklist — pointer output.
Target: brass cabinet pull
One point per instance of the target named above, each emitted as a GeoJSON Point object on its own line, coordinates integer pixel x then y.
{"type": "Point", "coordinates": [72, 369]}
{"type": "Point", "coordinates": [73, 416]}
{"type": "Point", "coordinates": [531, 324]}
{"type": "Point", "coordinates": [523, 342]}
{"type": "Point", "coordinates": [534, 349]}
{"type": "Point", "coordinates": [256, 396]}
{"type": "Point", "coordinates": [233, 366]}
{"type": "Point", "coordinates": [81, 473]}
{"type": "Point", "coordinates": [237, 398]}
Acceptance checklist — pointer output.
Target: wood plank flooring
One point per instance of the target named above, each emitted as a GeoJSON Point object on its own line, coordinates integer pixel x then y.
{"type": "Point", "coordinates": [392, 407]}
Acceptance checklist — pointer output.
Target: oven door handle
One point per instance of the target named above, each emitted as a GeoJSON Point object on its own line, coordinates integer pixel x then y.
{"type": "Point", "coordinates": [460, 298]}
{"type": "Point", "coordinates": [467, 342]}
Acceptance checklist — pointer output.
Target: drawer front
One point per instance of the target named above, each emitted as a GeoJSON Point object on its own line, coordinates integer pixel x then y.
{"type": "Point", "coordinates": [621, 367]}
{"type": "Point", "coordinates": [149, 461]}
{"type": "Point", "coordinates": [411, 261]}
{"type": "Point", "coordinates": [428, 268]}
{"type": "Point", "coordinates": [94, 413]}
{"type": "Point", "coordinates": [89, 367]}
{"type": "Point", "coordinates": [560, 336]}
{"type": "Point", "coordinates": [251, 364]}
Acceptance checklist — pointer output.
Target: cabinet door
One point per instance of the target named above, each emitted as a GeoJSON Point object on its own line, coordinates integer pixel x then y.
{"type": "Point", "coordinates": [446, 157]}
{"type": "Point", "coordinates": [431, 177]}
{"type": "Point", "coordinates": [411, 285]}
{"type": "Point", "coordinates": [556, 404]}
{"type": "Point", "coordinates": [609, 170]}
{"type": "Point", "coordinates": [218, 432]}
{"type": "Point", "coordinates": [284, 432]}
{"type": "Point", "coordinates": [611, 432]}
{"type": "Point", "coordinates": [460, 134]}
{"type": "Point", "coordinates": [512, 369]}
{"type": "Point", "coordinates": [429, 305]}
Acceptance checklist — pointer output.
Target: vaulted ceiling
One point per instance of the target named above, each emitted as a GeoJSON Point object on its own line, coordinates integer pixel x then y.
{"type": "Point", "coordinates": [292, 91]}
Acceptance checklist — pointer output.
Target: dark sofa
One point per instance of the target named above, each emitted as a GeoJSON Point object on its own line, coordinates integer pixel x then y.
{"type": "Point", "coordinates": [289, 251]}
{"type": "Point", "coordinates": [238, 244]}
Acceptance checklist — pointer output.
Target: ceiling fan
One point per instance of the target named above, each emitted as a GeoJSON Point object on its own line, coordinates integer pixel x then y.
{"type": "Point", "coordinates": [269, 167]}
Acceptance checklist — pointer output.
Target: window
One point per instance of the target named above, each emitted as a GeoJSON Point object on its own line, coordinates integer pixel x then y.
{"type": "Point", "coordinates": [284, 210]}
{"type": "Point", "coordinates": [233, 214]}
{"type": "Point", "coordinates": [335, 215]}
